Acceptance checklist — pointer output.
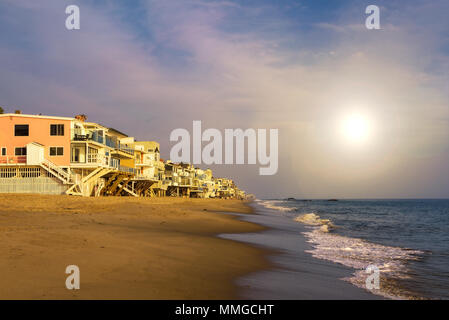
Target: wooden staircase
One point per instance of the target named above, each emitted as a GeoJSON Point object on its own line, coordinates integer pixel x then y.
{"type": "Point", "coordinates": [85, 186]}
{"type": "Point", "coordinates": [56, 171]}
{"type": "Point", "coordinates": [123, 187]}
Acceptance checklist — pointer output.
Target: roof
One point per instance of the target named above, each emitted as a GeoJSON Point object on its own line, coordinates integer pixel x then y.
{"type": "Point", "coordinates": [94, 124]}
{"type": "Point", "coordinates": [147, 144]}
{"type": "Point", "coordinates": [34, 116]}
{"type": "Point", "coordinates": [36, 143]}
{"type": "Point", "coordinates": [118, 132]}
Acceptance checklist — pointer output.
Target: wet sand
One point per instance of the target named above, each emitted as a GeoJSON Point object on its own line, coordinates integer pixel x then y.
{"type": "Point", "coordinates": [295, 273]}
{"type": "Point", "coordinates": [126, 248]}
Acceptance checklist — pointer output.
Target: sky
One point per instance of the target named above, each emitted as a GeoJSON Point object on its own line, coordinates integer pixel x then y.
{"type": "Point", "coordinates": [148, 67]}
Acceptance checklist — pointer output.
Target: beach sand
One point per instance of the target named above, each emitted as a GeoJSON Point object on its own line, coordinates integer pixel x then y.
{"type": "Point", "coordinates": [126, 248]}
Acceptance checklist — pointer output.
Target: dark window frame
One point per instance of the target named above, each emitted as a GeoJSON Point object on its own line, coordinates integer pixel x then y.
{"type": "Point", "coordinates": [20, 131]}
{"type": "Point", "coordinates": [4, 153]}
{"type": "Point", "coordinates": [22, 153]}
{"type": "Point", "coordinates": [56, 151]}
{"type": "Point", "coordinates": [57, 129]}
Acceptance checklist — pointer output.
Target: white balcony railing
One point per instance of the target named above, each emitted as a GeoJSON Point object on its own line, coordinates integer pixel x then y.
{"type": "Point", "coordinates": [13, 160]}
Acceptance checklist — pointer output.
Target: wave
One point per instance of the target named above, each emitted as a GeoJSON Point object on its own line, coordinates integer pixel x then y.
{"type": "Point", "coordinates": [315, 220]}
{"type": "Point", "coordinates": [274, 204]}
{"type": "Point", "coordinates": [359, 255]}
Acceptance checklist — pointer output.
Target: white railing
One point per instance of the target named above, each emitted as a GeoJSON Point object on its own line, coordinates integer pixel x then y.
{"type": "Point", "coordinates": [145, 177]}
{"type": "Point", "coordinates": [12, 160]}
{"type": "Point", "coordinates": [145, 163]}
{"type": "Point", "coordinates": [56, 170]}
{"type": "Point", "coordinates": [98, 159]}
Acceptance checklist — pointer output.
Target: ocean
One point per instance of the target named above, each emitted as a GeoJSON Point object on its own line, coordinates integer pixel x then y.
{"type": "Point", "coordinates": [408, 240]}
{"type": "Point", "coordinates": [322, 249]}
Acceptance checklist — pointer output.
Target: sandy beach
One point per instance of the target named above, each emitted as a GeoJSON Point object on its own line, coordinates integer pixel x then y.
{"type": "Point", "coordinates": [126, 248]}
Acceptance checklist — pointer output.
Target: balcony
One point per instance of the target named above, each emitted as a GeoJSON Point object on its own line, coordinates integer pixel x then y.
{"type": "Point", "coordinates": [115, 163]}
{"type": "Point", "coordinates": [116, 145]}
{"type": "Point", "coordinates": [97, 158]}
{"type": "Point", "coordinates": [12, 160]}
{"type": "Point", "coordinates": [127, 169]}
{"type": "Point", "coordinates": [144, 163]}
{"type": "Point", "coordinates": [126, 149]}
{"type": "Point", "coordinates": [97, 138]}
{"type": "Point", "coordinates": [111, 143]}
{"type": "Point", "coordinates": [145, 177]}
{"type": "Point", "coordinates": [88, 137]}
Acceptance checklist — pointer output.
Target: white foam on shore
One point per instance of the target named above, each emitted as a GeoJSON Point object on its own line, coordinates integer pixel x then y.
{"type": "Point", "coordinates": [358, 254]}
{"type": "Point", "coordinates": [274, 204]}
{"type": "Point", "coordinates": [315, 220]}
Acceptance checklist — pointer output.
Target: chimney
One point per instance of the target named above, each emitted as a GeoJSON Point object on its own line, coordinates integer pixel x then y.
{"type": "Point", "coordinates": [18, 112]}
{"type": "Point", "coordinates": [81, 117]}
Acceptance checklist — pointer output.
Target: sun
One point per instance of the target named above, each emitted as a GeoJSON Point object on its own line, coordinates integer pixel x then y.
{"type": "Point", "coordinates": [356, 128]}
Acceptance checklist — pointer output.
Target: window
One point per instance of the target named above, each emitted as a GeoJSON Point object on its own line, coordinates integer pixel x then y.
{"type": "Point", "coordinates": [3, 151]}
{"type": "Point", "coordinates": [56, 151]}
{"type": "Point", "coordinates": [21, 130]}
{"type": "Point", "coordinates": [21, 151]}
{"type": "Point", "coordinates": [56, 129]}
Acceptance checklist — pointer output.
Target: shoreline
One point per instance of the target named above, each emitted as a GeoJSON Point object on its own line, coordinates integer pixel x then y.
{"type": "Point", "coordinates": [126, 248]}
{"type": "Point", "coordinates": [391, 235]}
{"type": "Point", "coordinates": [295, 273]}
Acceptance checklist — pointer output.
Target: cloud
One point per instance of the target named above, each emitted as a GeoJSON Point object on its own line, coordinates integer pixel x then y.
{"type": "Point", "coordinates": [180, 61]}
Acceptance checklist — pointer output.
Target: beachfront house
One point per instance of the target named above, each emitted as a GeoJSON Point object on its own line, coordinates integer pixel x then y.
{"type": "Point", "coordinates": [35, 153]}
{"type": "Point", "coordinates": [101, 164]}
{"type": "Point", "coordinates": [64, 155]}
{"type": "Point", "coordinates": [150, 169]}
{"type": "Point", "coordinates": [203, 185]}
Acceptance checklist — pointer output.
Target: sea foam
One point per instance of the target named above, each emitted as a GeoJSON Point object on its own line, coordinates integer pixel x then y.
{"type": "Point", "coordinates": [315, 220]}
{"type": "Point", "coordinates": [358, 254]}
{"type": "Point", "coordinates": [274, 204]}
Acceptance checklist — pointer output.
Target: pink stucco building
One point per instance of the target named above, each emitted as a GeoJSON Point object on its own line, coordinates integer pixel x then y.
{"type": "Point", "coordinates": [51, 133]}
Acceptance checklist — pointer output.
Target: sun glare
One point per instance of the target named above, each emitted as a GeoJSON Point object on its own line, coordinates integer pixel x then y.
{"type": "Point", "coordinates": [356, 129]}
